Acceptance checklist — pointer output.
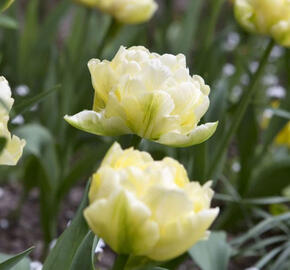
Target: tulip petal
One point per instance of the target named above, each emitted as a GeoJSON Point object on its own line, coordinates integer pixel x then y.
{"type": "Point", "coordinates": [198, 135]}
{"type": "Point", "coordinates": [12, 151]}
{"type": "Point", "coordinates": [97, 123]}
{"type": "Point", "coordinates": [177, 237]}
{"type": "Point", "coordinates": [122, 221]}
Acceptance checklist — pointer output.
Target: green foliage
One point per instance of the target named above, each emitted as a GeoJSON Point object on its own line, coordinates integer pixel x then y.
{"type": "Point", "coordinates": [73, 242]}
{"type": "Point", "coordinates": [16, 262]}
{"type": "Point", "coordinates": [212, 254]}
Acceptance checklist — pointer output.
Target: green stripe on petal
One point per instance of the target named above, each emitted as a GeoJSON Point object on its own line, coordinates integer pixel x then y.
{"type": "Point", "coordinates": [96, 123]}
{"type": "Point", "coordinates": [198, 135]}
{"type": "Point", "coordinates": [124, 223]}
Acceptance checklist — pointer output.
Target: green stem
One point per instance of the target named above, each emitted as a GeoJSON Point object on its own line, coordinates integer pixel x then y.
{"type": "Point", "coordinates": [111, 32]}
{"type": "Point", "coordinates": [120, 262]}
{"type": "Point", "coordinates": [136, 141]}
{"type": "Point", "coordinates": [200, 152]}
{"type": "Point", "coordinates": [209, 34]}
{"type": "Point", "coordinates": [199, 162]}
{"type": "Point", "coordinates": [240, 112]}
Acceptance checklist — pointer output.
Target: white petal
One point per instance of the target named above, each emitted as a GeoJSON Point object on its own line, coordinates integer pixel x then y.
{"type": "Point", "coordinates": [198, 135]}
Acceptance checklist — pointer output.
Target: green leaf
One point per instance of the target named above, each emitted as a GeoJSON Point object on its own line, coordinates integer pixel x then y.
{"type": "Point", "coordinates": [62, 255]}
{"type": "Point", "coordinates": [24, 264]}
{"type": "Point", "coordinates": [264, 226]}
{"type": "Point", "coordinates": [4, 4]}
{"type": "Point", "coordinates": [27, 39]}
{"type": "Point", "coordinates": [247, 136]}
{"type": "Point", "coordinates": [189, 26]}
{"type": "Point", "coordinates": [8, 22]}
{"type": "Point", "coordinates": [270, 178]}
{"type": "Point", "coordinates": [13, 261]}
{"type": "Point", "coordinates": [40, 143]}
{"type": "Point", "coordinates": [28, 103]}
{"type": "Point", "coordinates": [281, 113]}
{"type": "Point", "coordinates": [212, 254]}
{"type": "Point", "coordinates": [83, 256]}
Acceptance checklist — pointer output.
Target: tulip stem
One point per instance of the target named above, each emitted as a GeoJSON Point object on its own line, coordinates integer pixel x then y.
{"type": "Point", "coordinates": [120, 262]}
{"type": "Point", "coordinates": [136, 141]}
{"type": "Point", "coordinates": [240, 112]}
{"type": "Point", "coordinates": [112, 31]}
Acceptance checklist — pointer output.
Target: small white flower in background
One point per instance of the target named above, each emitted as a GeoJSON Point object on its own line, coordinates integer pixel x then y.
{"type": "Point", "coordinates": [254, 66]}
{"type": "Point", "coordinates": [34, 108]}
{"type": "Point", "coordinates": [35, 265]}
{"type": "Point", "coordinates": [276, 91]}
{"type": "Point", "coordinates": [14, 146]}
{"type": "Point", "coordinates": [253, 268]}
{"type": "Point", "coordinates": [4, 223]}
{"type": "Point", "coordinates": [277, 52]}
{"type": "Point", "coordinates": [245, 79]}
{"type": "Point", "coordinates": [232, 41]}
{"type": "Point", "coordinates": [236, 93]}
{"type": "Point", "coordinates": [22, 90]}
{"type": "Point", "coordinates": [100, 246]}
{"type": "Point", "coordinates": [229, 69]}
{"type": "Point", "coordinates": [236, 167]}
{"type": "Point", "coordinates": [18, 120]}
{"type": "Point", "coordinates": [270, 80]}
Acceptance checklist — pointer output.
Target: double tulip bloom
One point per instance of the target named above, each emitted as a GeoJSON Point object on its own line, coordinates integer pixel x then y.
{"type": "Point", "coordinates": [147, 208]}
{"type": "Point", "coordinates": [14, 146]}
{"type": "Point", "coordinates": [266, 17]}
{"type": "Point", "coordinates": [147, 94]}
{"type": "Point", "coordinates": [125, 11]}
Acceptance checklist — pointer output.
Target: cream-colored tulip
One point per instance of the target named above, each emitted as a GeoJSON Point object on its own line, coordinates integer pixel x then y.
{"type": "Point", "coordinates": [125, 11]}
{"type": "Point", "coordinates": [149, 208]}
{"type": "Point", "coordinates": [147, 94]}
{"type": "Point", "coordinates": [266, 17]}
{"type": "Point", "coordinates": [14, 146]}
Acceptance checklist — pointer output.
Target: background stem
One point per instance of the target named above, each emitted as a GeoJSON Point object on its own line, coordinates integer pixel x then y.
{"type": "Point", "coordinates": [120, 262]}
{"type": "Point", "coordinates": [240, 112]}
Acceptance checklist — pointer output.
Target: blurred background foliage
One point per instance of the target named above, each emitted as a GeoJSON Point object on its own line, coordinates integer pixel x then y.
{"type": "Point", "coordinates": [44, 49]}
